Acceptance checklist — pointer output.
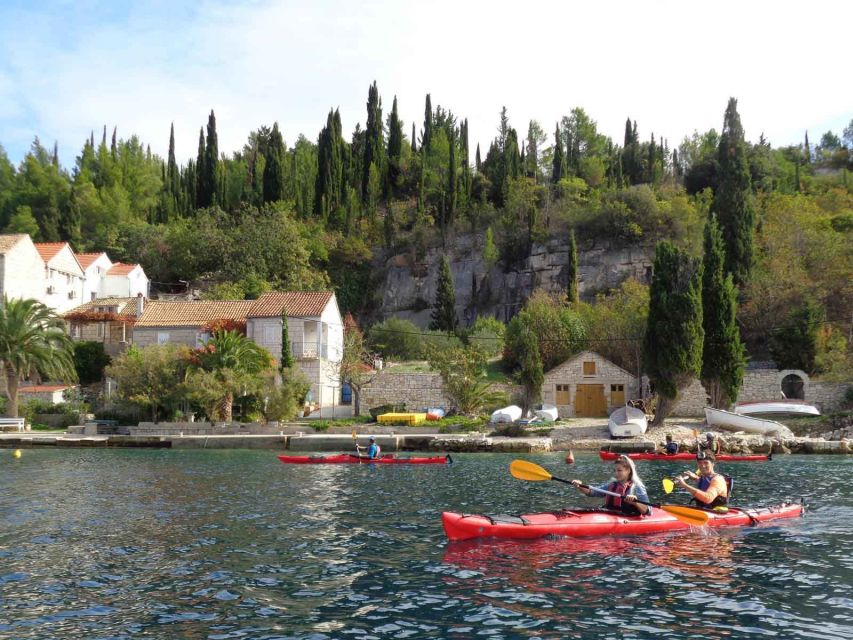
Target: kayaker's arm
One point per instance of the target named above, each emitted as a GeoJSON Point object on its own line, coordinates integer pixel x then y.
{"type": "Point", "coordinates": [639, 495]}
{"type": "Point", "coordinates": [717, 488]}
{"type": "Point", "coordinates": [582, 488]}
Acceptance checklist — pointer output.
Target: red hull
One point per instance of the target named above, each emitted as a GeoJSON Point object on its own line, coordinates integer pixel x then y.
{"type": "Point", "coordinates": [723, 457]}
{"type": "Point", "coordinates": [351, 458]}
{"type": "Point", "coordinates": [582, 524]}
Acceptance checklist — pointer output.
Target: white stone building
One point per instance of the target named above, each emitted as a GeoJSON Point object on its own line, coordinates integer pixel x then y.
{"type": "Point", "coordinates": [62, 276]}
{"type": "Point", "coordinates": [106, 279]}
{"type": "Point", "coordinates": [21, 268]}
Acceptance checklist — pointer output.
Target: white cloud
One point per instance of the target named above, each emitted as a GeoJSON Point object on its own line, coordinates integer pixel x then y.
{"type": "Point", "coordinates": [669, 65]}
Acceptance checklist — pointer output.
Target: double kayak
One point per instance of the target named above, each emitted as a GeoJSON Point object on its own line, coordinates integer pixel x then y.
{"type": "Point", "coordinates": [723, 457]}
{"type": "Point", "coordinates": [351, 458]}
{"type": "Point", "coordinates": [584, 523]}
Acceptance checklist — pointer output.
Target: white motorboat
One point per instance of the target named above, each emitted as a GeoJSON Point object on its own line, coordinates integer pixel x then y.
{"type": "Point", "coordinates": [626, 422]}
{"type": "Point", "coordinates": [512, 413]}
{"type": "Point", "coordinates": [779, 408]}
{"type": "Point", "coordinates": [737, 422]}
{"type": "Point", "coordinates": [547, 413]}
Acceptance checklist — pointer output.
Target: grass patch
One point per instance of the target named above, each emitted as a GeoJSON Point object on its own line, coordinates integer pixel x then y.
{"type": "Point", "coordinates": [494, 370]}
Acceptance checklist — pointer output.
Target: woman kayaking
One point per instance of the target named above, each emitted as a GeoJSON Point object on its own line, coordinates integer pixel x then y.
{"type": "Point", "coordinates": [710, 490]}
{"type": "Point", "coordinates": [627, 484]}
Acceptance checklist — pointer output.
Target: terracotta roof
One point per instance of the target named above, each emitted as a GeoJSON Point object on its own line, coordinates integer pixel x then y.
{"type": "Point", "coordinates": [45, 388]}
{"type": "Point", "coordinates": [86, 259]}
{"type": "Point", "coordinates": [121, 269]}
{"type": "Point", "coordinates": [192, 314]}
{"type": "Point", "coordinates": [47, 250]}
{"type": "Point", "coordinates": [9, 240]}
{"type": "Point", "coordinates": [297, 304]}
{"type": "Point", "coordinates": [103, 302]}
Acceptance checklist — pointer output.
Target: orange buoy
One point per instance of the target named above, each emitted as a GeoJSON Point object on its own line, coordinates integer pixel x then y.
{"type": "Point", "coordinates": [570, 457]}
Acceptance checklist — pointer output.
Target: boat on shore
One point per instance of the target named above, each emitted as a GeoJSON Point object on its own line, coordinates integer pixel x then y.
{"type": "Point", "coordinates": [547, 412]}
{"type": "Point", "coordinates": [795, 408]}
{"type": "Point", "coordinates": [737, 422]}
{"type": "Point", "coordinates": [627, 422]}
{"type": "Point", "coordinates": [507, 415]}
{"type": "Point", "coordinates": [351, 458]}
{"type": "Point", "coordinates": [608, 456]}
{"type": "Point", "coordinates": [598, 522]}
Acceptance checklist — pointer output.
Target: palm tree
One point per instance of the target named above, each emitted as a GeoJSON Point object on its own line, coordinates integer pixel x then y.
{"type": "Point", "coordinates": [32, 339]}
{"type": "Point", "coordinates": [227, 364]}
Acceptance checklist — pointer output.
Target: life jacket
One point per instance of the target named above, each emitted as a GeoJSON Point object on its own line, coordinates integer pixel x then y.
{"type": "Point", "coordinates": [618, 504]}
{"type": "Point", "coordinates": [671, 448]}
{"type": "Point", "coordinates": [704, 483]}
{"type": "Point", "coordinates": [373, 451]}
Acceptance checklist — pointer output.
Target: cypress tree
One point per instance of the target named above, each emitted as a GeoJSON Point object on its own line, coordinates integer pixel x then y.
{"type": "Point", "coordinates": [414, 140]}
{"type": "Point", "coordinates": [794, 343]}
{"type": "Point", "coordinates": [733, 198]}
{"type": "Point", "coordinates": [274, 167]}
{"type": "Point", "coordinates": [395, 149]}
{"type": "Point", "coordinates": [113, 143]}
{"type": "Point", "coordinates": [172, 174]}
{"type": "Point", "coordinates": [808, 150]}
{"type": "Point", "coordinates": [200, 196]}
{"type": "Point", "coordinates": [443, 316]}
{"type": "Point", "coordinates": [329, 184]}
{"type": "Point", "coordinates": [723, 355]}
{"type": "Point", "coordinates": [427, 138]}
{"type": "Point", "coordinates": [286, 361]}
{"type": "Point", "coordinates": [530, 371]}
{"type": "Point", "coordinates": [373, 139]}
{"type": "Point", "coordinates": [477, 159]}
{"type": "Point", "coordinates": [55, 157]}
{"type": "Point", "coordinates": [211, 164]}
{"type": "Point", "coordinates": [572, 292]}
{"type": "Point", "coordinates": [451, 177]}
{"type": "Point", "coordinates": [672, 349]}
{"type": "Point", "coordinates": [558, 164]}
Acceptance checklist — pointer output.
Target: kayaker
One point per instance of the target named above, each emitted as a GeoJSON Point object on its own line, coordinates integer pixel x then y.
{"type": "Point", "coordinates": [711, 444]}
{"type": "Point", "coordinates": [670, 447]}
{"type": "Point", "coordinates": [710, 490]}
{"type": "Point", "coordinates": [372, 449]}
{"type": "Point", "coordinates": [627, 483]}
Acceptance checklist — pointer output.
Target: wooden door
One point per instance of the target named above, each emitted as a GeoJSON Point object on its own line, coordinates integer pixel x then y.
{"type": "Point", "coordinates": [617, 395]}
{"type": "Point", "coordinates": [590, 401]}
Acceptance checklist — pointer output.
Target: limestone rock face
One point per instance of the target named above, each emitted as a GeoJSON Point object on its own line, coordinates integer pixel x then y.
{"type": "Point", "coordinates": [408, 290]}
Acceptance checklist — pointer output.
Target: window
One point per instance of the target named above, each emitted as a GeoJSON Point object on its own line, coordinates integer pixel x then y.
{"type": "Point", "coordinates": [272, 334]}
{"type": "Point", "coordinates": [617, 387]}
{"type": "Point", "coordinates": [162, 337]}
{"type": "Point", "coordinates": [94, 295]}
{"type": "Point", "coordinates": [563, 394]}
{"type": "Point", "coordinates": [589, 368]}
{"type": "Point", "coordinates": [75, 330]}
{"type": "Point", "coordinates": [201, 338]}
{"type": "Point", "coordinates": [100, 329]}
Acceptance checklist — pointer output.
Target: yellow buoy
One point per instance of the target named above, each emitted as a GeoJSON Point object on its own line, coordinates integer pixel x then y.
{"type": "Point", "coordinates": [16, 453]}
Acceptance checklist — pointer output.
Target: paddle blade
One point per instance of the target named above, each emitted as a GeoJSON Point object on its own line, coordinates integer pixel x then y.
{"type": "Point", "coordinates": [687, 515]}
{"type": "Point", "coordinates": [668, 485]}
{"type": "Point", "coordinates": [524, 470]}
{"type": "Point", "coordinates": [354, 435]}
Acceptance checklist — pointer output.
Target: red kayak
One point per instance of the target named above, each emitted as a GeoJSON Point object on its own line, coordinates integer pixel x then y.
{"type": "Point", "coordinates": [723, 457]}
{"type": "Point", "coordinates": [351, 458]}
{"type": "Point", "coordinates": [598, 522]}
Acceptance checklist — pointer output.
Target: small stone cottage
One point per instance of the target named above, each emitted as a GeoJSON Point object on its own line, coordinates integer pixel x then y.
{"type": "Point", "coordinates": [588, 385]}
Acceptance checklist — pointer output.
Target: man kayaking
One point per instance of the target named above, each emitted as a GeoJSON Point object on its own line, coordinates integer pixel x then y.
{"type": "Point", "coordinates": [670, 447]}
{"type": "Point", "coordinates": [710, 490]}
{"type": "Point", "coordinates": [373, 449]}
{"type": "Point", "coordinates": [711, 444]}
{"type": "Point", "coordinates": [627, 484]}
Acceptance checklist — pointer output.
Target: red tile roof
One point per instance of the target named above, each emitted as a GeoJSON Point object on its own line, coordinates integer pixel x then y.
{"type": "Point", "coordinates": [121, 269]}
{"type": "Point", "coordinates": [86, 259]}
{"type": "Point", "coordinates": [47, 250]}
{"type": "Point", "coordinates": [192, 314]}
{"type": "Point", "coordinates": [45, 388]}
{"type": "Point", "coordinates": [126, 306]}
{"type": "Point", "coordinates": [306, 304]}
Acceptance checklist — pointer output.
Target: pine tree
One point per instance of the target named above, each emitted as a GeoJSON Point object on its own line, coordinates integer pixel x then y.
{"type": "Point", "coordinates": [395, 150]}
{"type": "Point", "coordinates": [672, 349]}
{"type": "Point", "coordinates": [286, 360]}
{"type": "Point", "coordinates": [373, 147]}
{"type": "Point", "coordinates": [558, 165]}
{"type": "Point", "coordinates": [200, 196]}
{"type": "Point", "coordinates": [210, 175]}
{"type": "Point", "coordinates": [274, 181]}
{"type": "Point", "coordinates": [427, 137]}
{"type": "Point", "coordinates": [443, 316]}
{"type": "Point", "coordinates": [733, 198]}
{"type": "Point", "coordinates": [723, 355]}
{"type": "Point", "coordinates": [572, 292]}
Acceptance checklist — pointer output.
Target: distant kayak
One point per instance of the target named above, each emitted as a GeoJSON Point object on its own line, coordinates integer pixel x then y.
{"type": "Point", "coordinates": [597, 522]}
{"type": "Point", "coordinates": [723, 457]}
{"type": "Point", "coordinates": [351, 458]}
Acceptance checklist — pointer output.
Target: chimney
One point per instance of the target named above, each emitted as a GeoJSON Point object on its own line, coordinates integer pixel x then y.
{"type": "Point", "coordinates": [140, 304]}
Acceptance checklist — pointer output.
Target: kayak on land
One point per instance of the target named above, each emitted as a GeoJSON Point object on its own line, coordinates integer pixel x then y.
{"type": "Point", "coordinates": [351, 458]}
{"type": "Point", "coordinates": [723, 457]}
{"type": "Point", "coordinates": [598, 522]}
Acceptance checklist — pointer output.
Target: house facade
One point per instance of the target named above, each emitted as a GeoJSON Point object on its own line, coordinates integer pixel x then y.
{"type": "Point", "coordinates": [185, 322]}
{"type": "Point", "coordinates": [53, 393]}
{"type": "Point", "coordinates": [21, 268]}
{"type": "Point", "coordinates": [588, 385]}
{"type": "Point", "coordinates": [95, 267]}
{"type": "Point", "coordinates": [62, 275]}
{"type": "Point", "coordinates": [125, 280]}
{"type": "Point", "coordinates": [109, 321]}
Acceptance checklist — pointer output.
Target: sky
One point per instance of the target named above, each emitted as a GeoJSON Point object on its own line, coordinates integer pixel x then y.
{"type": "Point", "coordinates": [70, 67]}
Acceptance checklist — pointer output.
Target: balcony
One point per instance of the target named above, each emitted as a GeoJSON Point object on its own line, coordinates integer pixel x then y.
{"type": "Point", "coordinates": [309, 350]}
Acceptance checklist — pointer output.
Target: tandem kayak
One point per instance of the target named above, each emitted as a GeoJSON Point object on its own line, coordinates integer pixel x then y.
{"type": "Point", "coordinates": [723, 457]}
{"type": "Point", "coordinates": [597, 522]}
{"type": "Point", "coordinates": [351, 458]}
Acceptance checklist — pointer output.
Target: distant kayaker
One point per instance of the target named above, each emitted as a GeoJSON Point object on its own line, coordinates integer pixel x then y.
{"type": "Point", "coordinates": [670, 447]}
{"type": "Point", "coordinates": [373, 449]}
{"type": "Point", "coordinates": [711, 444]}
{"type": "Point", "coordinates": [710, 490]}
{"type": "Point", "coordinates": [627, 483]}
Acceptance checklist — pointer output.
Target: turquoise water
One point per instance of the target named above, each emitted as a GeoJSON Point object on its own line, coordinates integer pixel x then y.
{"type": "Point", "coordinates": [233, 544]}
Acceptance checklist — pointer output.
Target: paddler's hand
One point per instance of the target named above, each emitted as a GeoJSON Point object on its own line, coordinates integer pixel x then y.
{"type": "Point", "coordinates": [577, 484]}
{"type": "Point", "coordinates": [631, 499]}
{"type": "Point", "coordinates": [680, 482]}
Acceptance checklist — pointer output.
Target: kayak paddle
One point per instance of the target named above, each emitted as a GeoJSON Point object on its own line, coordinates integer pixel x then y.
{"type": "Point", "coordinates": [524, 470]}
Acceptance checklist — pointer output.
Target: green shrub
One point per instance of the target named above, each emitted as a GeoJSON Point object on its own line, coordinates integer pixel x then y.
{"type": "Point", "coordinates": [396, 338]}
{"type": "Point", "coordinates": [90, 359]}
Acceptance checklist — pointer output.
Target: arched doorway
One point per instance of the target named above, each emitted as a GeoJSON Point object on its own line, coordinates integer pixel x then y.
{"type": "Point", "coordinates": [793, 387]}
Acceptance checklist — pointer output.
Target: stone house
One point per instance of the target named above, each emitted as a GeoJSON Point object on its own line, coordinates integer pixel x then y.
{"type": "Point", "coordinates": [106, 320]}
{"type": "Point", "coordinates": [185, 322]}
{"type": "Point", "coordinates": [588, 385]}
{"type": "Point", "coordinates": [21, 268]}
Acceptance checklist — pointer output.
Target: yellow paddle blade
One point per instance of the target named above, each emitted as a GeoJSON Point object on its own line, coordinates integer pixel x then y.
{"type": "Point", "coordinates": [524, 470]}
{"type": "Point", "coordinates": [668, 485]}
{"type": "Point", "coordinates": [687, 515]}
{"type": "Point", "coordinates": [354, 435]}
